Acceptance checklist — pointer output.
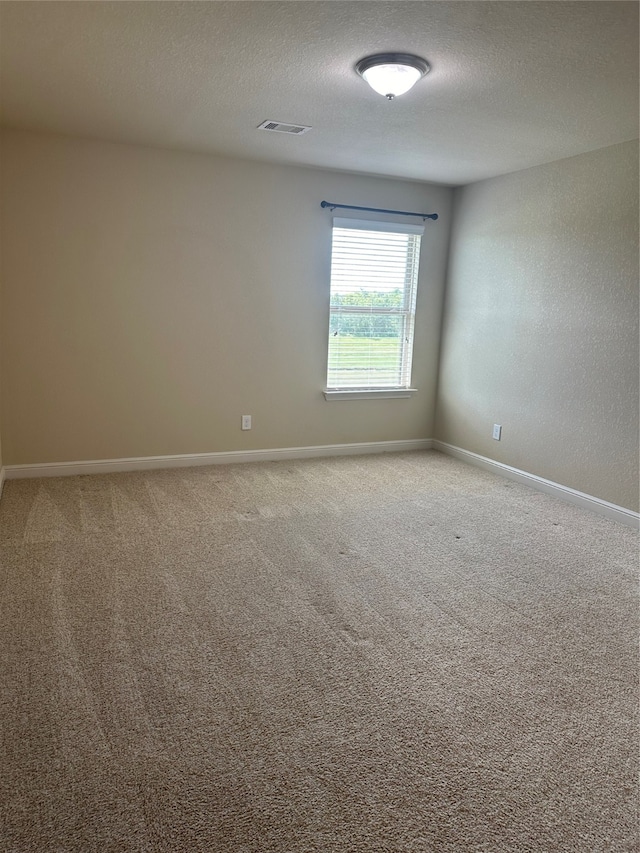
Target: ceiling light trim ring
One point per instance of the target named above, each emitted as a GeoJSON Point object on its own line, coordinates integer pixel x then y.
{"type": "Point", "coordinates": [393, 59]}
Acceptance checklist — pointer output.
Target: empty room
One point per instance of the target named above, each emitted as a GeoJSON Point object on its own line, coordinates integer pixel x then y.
{"type": "Point", "coordinates": [319, 394]}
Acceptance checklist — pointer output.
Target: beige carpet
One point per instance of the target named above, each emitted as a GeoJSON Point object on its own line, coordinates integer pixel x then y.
{"type": "Point", "coordinates": [388, 653]}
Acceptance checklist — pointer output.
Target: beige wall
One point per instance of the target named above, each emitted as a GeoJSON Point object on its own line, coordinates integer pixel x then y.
{"type": "Point", "coordinates": [1, 463]}
{"type": "Point", "coordinates": [152, 297]}
{"type": "Point", "coordinates": [540, 330]}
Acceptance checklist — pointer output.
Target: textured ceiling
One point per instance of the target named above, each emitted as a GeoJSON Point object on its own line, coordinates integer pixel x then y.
{"type": "Point", "coordinates": [513, 84]}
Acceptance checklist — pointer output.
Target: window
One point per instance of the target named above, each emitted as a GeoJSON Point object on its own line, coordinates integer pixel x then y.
{"type": "Point", "coordinates": [374, 276]}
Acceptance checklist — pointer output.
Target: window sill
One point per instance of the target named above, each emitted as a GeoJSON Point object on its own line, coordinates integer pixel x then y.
{"type": "Point", "coordinates": [368, 394]}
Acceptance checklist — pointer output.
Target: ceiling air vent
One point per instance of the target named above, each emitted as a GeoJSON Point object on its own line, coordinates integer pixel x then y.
{"type": "Point", "coordinates": [281, 127]}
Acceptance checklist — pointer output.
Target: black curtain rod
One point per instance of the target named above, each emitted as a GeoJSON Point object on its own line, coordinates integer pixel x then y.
{"type": "Point", "coordinates": [333, 206]}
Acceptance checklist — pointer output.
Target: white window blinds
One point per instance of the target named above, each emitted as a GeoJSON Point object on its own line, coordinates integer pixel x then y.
{"type": "Point", "coordinates": [374, 276]}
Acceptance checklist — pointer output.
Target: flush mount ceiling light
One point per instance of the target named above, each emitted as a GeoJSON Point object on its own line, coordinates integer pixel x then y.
{"type": "Point", "coordinates": [392, 74]}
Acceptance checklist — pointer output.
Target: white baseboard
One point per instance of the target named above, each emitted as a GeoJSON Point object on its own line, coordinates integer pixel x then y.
{"type": "Point", "coordinates": [187, 460]}
{"type": "Point", "coordinates": [608, 510]}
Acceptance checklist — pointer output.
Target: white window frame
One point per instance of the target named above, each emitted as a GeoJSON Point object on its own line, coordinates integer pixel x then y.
{"type": "Point", "coordinates": [407, 312]}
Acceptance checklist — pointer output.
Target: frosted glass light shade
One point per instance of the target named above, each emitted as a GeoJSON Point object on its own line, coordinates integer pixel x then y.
{"type": "Point", "coordinates": [391, 79]}
{"type": "Point", "coordinates": [392, 74]}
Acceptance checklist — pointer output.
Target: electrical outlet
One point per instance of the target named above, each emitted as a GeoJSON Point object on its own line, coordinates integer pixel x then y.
{"type": "Point", "coordinates": [246, 422]}
{"type": "Point", "coordinates": [497, 432]}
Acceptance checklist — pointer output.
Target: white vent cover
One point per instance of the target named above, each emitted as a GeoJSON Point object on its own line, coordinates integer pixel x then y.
{"type": "Point", "coordinates": [281, 127]}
